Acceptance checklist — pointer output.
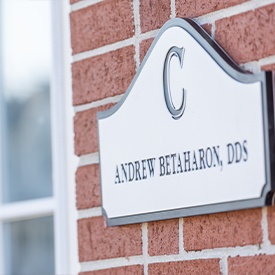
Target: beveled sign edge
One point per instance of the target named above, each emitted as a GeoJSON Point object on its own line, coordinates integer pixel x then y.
{"type": "Point", "coordinates": [267, 80]}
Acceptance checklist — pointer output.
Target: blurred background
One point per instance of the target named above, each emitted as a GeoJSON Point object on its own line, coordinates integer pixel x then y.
{"type": "Point", "coordinates": [26, 158]}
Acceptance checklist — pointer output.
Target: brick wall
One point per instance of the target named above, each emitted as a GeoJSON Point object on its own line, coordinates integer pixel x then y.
{"type": "Point", "coordinates": [109, 40]}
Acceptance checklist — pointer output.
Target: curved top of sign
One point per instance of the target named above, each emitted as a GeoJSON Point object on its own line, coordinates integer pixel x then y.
{"type": "Point", "coordinates": [210, 47]}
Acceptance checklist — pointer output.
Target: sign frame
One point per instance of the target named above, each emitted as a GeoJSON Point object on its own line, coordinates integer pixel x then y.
{"type": "Point", "coordinates": [267, 80]}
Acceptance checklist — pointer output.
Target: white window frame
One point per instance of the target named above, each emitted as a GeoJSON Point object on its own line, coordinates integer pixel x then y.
{"type": "Point", "coordinates": [62, 204]}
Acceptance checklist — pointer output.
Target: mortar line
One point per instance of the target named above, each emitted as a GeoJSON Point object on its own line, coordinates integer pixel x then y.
{"type": "Point", "coordinates": [110, 263]}
{"type": "Point", "coordinates": [89, 213]}
{"type": "Point", "coordinates": [137, 31]}
{"type": "Point", "coordinates": [88, 159]}
{"type": "Point", "coordinates": [114, 46]}
{"type": "Point", "coordinates": [209, 18]}
{"type": "Point", "coordinates": [264, 224]}
{"type": "Point", "coordinates": [145, 247]}
{"type": "Point", "coordinates": [150, 34]}
{"type": "Point", "coordinates": [173, 9]}
{"type": "Point", "coordinates": [98, 103]}
{"type": "Point", "coordinates": [181, 240]}
{"type": "Point", "coordinates": [83, 4]}
{"type": "Point", "coordinates": [267, 60]}
{"type": "Point", "coordinates": [213, 30]}
{"type": "Point", "coordinates": [84, 213]}
{"type": "Point", "coordinates": [224, 265]}
{"type": "Point", "coordinates": [231, 11]}
{"type": "Point", "coordinates": [255, 66]}
{"type": "Point", "coordinates": [215, 253]}
{"type": "Point", "coordinates": [104, 49]}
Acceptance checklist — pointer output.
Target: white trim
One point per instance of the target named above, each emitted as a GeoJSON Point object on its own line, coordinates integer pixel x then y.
{"type": "Point", "coordinates": [58, 148]}
{"type": "Point", "coordinates": [84, 4]}
{"type": "Point", "coordinates": [64, 162]}
{"type": "Point", "coordinates": [27, 209]}
{"type": "Point", "coordinates": [71, 161]}
{"type": "Point", "coordinates": [2, 250]}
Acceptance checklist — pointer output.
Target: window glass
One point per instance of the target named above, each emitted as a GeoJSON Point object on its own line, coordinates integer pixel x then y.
{"type": "Point", "coordinates": [29, 247]}
{"type": "Point", "coordinates": [25, 90]}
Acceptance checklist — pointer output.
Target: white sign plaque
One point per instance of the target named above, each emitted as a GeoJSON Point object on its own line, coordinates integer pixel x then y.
{"type": "Point", "coordinates": [192, 134]}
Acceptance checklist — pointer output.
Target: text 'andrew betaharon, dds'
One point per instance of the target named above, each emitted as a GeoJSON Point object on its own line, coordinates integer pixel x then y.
{"type": "Point", "coordinates": [178, 163]}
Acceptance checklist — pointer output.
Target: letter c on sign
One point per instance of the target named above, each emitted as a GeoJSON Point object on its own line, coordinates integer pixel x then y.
{"type": "Point", "coordinates": [177, 52]}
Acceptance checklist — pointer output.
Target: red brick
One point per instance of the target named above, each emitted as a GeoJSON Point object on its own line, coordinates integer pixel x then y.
{"type": "Point", "coordinates": [248, 36]}
{"type": "Point", "coordinates": [194, 267]}
{"type": "Point", "coordinates": [153, 14]}
{"type": "Point", "coordinates": [270, 67]}
{"type": "Point", "coordinates": [97, 241]}
{"type": "Point", "coordinates": [194, 8]}
{"type": "Point", "coordinates": [101, 24]}
{"type": "Point", "coordinates": [74, 1]}
{"type": "Point", "coordinates": [271, 223]}
{"type": "Point", "coordinates": [254, 265]}
{"type": "Point", "coordinates": [163, 237]}
{"type": "Point", "coordinates": [237, 228]}
{"type": "Point", "coordinates": [88, 187]}
{"type": "Point", "coordinates": [208, 28]}
{"type": "Point", "coordinates": [125, 270]}
{"type": "Point", "coordinates": [144, 47]}
{"type": "Point", "coordinates": [103, 76]}
{"type": "Point", "coordinates": [85, 129]}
